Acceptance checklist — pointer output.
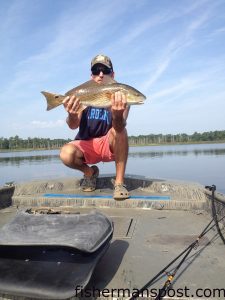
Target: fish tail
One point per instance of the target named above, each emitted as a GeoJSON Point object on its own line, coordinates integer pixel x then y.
{"type": "Point", "coordinates": [53, 100]}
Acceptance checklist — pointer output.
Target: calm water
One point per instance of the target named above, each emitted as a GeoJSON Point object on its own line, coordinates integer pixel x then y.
{"type": "Point", "coordinates": [203, 163]}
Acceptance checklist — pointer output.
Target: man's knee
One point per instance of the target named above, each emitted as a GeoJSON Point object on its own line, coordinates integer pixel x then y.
{"type": "Point", "coordinates": [115, 133]}
{"type": "Point", "coordinates": [118, 139]}
{"type": "Point", "coordinates": [68, 153]}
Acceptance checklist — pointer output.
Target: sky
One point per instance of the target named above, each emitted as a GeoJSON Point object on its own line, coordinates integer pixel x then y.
{"type": "Point", "coordinates": [173, 51]}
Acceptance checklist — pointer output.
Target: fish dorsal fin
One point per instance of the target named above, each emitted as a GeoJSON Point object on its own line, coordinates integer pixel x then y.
{"type": "Point", "coordinates": [90, 84]}
{"type": "Point", "coordinates": [85, 85]}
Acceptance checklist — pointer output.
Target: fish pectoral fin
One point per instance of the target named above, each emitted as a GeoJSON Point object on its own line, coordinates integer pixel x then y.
{"type": "Point", "coordinates": [53, 100]}
{"type": "Point", "coordinates": [108, 95]}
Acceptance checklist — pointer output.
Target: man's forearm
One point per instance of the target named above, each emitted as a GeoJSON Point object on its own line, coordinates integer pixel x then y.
{"type": "Point", "coordinates": [118, 124]}
{"type": "Point", "coordinates": [73, 121]}
{"type": "Point", "coordinates": [119, 119]}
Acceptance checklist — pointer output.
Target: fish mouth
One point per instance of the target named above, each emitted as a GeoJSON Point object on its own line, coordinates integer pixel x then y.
{"type": "Point", "coordinates": [136, 102]}
{"type": "Point", "coordinates": [140, 100]}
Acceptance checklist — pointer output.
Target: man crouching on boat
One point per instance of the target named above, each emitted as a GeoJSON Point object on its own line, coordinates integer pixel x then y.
{"type": "Point", "coordinates": [102, 135]}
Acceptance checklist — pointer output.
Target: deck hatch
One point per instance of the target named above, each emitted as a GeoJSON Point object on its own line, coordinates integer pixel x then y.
{"type": "Point", "coordinates": [123, 226]}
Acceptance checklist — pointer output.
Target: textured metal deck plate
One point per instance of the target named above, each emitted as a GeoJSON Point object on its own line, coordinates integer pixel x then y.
{"type": "Point", "coordinates": [123, 226]}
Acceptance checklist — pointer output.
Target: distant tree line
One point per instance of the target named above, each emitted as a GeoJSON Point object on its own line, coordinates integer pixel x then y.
{"type": "Point", "coordinates": [17, 143]}
{"type": "Point", "coordinates": [211, 136]}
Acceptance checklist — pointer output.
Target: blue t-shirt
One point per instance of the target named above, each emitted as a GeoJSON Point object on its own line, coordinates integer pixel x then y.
{"type": "Point", "coordinates": [95, 122]}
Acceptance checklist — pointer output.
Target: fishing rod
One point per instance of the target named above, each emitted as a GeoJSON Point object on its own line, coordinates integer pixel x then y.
{"type": "Point", "coordinates": [188, 250]}
{"type": "Point", "coordinates": [215, 217]}
{"type": "Point", "coordinates": [168, 282]}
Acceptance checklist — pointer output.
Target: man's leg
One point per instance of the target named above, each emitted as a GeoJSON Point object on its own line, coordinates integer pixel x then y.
{"type": "Point", "coordinates": [118, 142]}
{"type": "Point", "coordinates": [73, 158]}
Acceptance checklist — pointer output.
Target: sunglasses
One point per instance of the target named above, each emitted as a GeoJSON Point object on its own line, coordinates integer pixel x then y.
{"type": "Point", "coordinates": [104, 70]}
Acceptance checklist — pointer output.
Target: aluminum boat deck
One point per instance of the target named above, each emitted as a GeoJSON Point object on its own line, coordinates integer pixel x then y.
{"type": "Point", "coordinates": [153, 227]}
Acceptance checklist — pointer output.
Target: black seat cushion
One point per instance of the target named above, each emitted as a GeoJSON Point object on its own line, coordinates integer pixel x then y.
{"type": "Point", "coordinates": [85, 232]}
{"type": "Point", "coordinates": [35, 264]}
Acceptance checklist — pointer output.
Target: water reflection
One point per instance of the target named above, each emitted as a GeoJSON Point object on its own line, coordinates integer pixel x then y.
{"type": "Point", "coordinates": [19, 158]}
{"type": "Point", "coordinates": [203, 163]}
{"type": "Point", "coordinates": [196, 152]}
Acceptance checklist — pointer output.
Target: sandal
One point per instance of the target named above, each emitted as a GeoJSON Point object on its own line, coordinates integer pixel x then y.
{"type": "Point", "coordinates": [89, 183]}
{"type": "Point", "coordinates": [120, 192]}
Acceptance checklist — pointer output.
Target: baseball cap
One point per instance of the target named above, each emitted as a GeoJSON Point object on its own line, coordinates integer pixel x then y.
{"type": "Point", "coordinates": [102, 59]}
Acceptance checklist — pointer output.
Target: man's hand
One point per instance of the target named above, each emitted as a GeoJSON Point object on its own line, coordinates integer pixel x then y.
{"type": "Point", "coordinates": [71, 105]}
{"type": "Point", "coordinates": [119, 105]}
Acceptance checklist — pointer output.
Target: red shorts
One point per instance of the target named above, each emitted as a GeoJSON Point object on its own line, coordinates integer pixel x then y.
{"type": "Point", "coordinates": [95, 150]}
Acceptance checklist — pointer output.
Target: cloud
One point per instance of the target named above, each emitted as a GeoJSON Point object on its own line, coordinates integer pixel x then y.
{"type": "Point", "coordinates": [39, 124]}
{"type": "Point", "coordinates": [161, 68]}
{"type": "Point", "coordinates": [72, 34]}
{"type": "Point", "coordinates": [220, 30]}
{"type": "Point", "coordinates": [191, 84]}
{"type": "Point", "coordinates": [49, 124]}
{"type": "Point", "coordinates": [160, 49]}
{"type": "Point", "coordinates": [174, 47]}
